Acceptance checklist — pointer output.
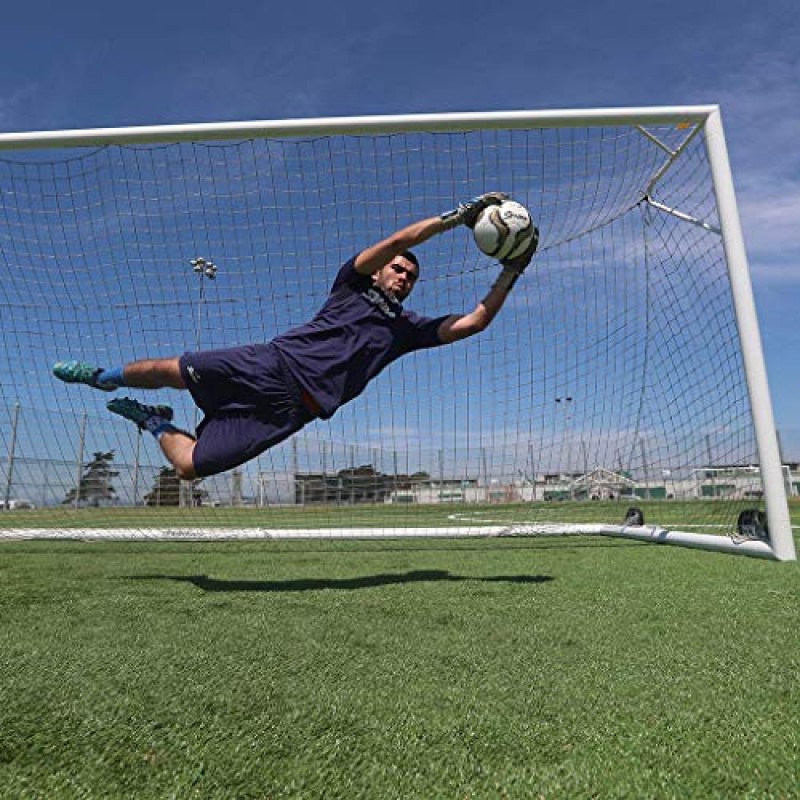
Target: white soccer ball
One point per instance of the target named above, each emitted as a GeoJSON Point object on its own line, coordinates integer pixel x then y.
{"type": "Point", "coordinates": [504, 231]}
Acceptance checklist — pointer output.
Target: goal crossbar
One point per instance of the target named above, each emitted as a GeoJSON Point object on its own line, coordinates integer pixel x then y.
{"type": "Point", "coordinates": [373, 125]}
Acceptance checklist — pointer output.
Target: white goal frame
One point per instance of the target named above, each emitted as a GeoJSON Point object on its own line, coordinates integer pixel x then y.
{"type": "Point", "coordinates": [780, 545]}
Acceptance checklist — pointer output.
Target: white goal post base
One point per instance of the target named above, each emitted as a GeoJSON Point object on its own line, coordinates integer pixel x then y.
{"type": "Point", "coordinates": [645, 533]}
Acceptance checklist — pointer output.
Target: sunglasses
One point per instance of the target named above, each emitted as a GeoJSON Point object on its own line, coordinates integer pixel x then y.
{"type": "Point", "coordinates": [401, 270]}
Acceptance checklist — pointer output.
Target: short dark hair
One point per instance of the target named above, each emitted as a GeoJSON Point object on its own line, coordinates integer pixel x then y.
{"type": "Point", "coordinates": [411, 257]}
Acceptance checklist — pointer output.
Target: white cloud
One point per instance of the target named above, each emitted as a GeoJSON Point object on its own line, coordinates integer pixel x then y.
{"type": "Point", "coordinates": [774, 273]}
{"type": "Point", "coordinates": [770, 210]}
{"type": "Point", "coordinates": [761, 113]}
{"type": "Point", "coordinates": [10, 103]}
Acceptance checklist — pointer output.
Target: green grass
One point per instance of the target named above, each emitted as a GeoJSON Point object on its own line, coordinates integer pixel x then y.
{"type": "Point", "coordinates": [435, 669]}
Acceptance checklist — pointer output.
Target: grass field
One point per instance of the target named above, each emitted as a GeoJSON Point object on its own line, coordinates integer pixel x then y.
{"type": "Point", "coordinates": [569, 667]}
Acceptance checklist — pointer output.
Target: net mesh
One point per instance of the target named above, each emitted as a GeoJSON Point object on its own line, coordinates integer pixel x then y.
{"type": "Point", "coordinates": [612, 374]}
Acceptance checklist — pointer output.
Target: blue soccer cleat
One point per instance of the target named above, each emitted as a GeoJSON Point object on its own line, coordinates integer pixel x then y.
{"type": "Point", "coordinates": [81, 372]}
{"type": "Point", "coordinates": [144, 416]}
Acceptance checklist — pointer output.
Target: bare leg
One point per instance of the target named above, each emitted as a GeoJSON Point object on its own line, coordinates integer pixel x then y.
{"type": "Point", "coordinates": [178, 447]}
{"type": "Point", "coordinates": [154, 373]}
{"type": "Point", "coordinates": [164, 373]}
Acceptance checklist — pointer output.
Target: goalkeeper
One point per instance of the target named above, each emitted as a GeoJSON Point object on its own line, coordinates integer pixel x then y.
{"type": "Point", "coordinates": [255, 396]}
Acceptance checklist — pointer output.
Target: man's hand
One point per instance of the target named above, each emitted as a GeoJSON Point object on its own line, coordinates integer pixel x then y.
{"type": "Point", "coordinates": [468, 213]}
{"type": "Point", "coordinates": [519, 263]}
{"type": "Point", "coordinates": [514, 267]}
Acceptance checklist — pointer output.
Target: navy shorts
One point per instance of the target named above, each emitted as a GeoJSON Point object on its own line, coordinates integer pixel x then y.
{"type": "Point", "coordinates": [250, 402]}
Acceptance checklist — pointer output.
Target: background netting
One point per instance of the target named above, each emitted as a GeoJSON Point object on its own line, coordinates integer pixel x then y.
{"type": "Point", "coordinates": [613, 373]}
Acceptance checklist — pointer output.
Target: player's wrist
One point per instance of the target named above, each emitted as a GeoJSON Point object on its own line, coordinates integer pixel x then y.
{"type": "Point", "coordinates": [451, 219]}
{"type": "Point", "coordinates": [447, 221]}
{"type": "Point", "coordinates": [506, 279]}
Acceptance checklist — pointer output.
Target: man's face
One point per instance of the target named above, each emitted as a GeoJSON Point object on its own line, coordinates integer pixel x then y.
{"type": "Point", "coordinates": [397, 278]}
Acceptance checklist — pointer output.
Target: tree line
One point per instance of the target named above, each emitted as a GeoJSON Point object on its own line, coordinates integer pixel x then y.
{"type": "Point", "coordinates": [95, 486]}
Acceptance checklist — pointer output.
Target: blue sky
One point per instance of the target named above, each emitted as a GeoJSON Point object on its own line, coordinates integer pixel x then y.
{"type": "Point", "coordinates": [90, 64]}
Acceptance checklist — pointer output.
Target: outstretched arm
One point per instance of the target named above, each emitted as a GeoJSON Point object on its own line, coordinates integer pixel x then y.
{"type": "Point", "coordinates": [379, 255]}
{"type": "Point", "coordinates": [460, 326]}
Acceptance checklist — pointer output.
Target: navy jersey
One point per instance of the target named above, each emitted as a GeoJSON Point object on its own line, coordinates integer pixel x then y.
{"type": "Point", "coordinates": [358, 332]}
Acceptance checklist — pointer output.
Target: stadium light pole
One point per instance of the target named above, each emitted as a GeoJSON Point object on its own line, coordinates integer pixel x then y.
{"type": "Point", "coordinates": [564, 403]}
{"type": "Point", "coordinates": [136, 464]}
{"type": "Point", "coordinates": [12, 446]}
{"type": "Point", "coordinates": [79, 460]}
{"type": "Point", "coordinates": [203, 269]}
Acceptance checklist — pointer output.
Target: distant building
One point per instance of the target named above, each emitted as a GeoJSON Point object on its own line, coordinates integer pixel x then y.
{"type": "Point", "coordinates": [362, 484]}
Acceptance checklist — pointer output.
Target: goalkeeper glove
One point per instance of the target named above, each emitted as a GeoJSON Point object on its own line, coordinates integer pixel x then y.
{"type": "Point", "coordinates": [514, 267]}
{"type": "Point", "coordinates": [467, 213]}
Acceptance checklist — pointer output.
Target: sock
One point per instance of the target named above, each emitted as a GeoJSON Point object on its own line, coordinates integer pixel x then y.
{"type": "Point", "coordinates": [111, 377]}
{"type": "Point", "coordinates": [158, 426]}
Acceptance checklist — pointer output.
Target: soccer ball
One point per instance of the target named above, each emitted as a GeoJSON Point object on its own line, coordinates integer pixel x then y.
{"type": "Point", "coordinates": [505, 230]}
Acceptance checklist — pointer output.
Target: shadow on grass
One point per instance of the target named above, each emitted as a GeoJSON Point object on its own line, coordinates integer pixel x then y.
{"type": "Point", "coordinates": [342, 584]}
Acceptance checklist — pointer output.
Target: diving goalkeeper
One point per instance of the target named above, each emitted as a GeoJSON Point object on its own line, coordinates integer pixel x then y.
{"type": "Point", "coordinates": [257, 395]}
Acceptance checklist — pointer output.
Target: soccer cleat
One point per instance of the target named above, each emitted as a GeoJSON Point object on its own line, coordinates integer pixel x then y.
{"type": "Point", "coordinates": [143, 415]}
{"type": "Point", "coordinates": [81, 372]}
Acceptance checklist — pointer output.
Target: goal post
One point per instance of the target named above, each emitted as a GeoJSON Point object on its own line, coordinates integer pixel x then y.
{"type": "Point", "coordinates": [627, 361]}
{"type": "Point", "coordinates": [750, 337]}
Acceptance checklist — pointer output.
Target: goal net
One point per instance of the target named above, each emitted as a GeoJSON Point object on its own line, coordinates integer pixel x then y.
{"type": "Point", "coordinates": [623, 375]}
